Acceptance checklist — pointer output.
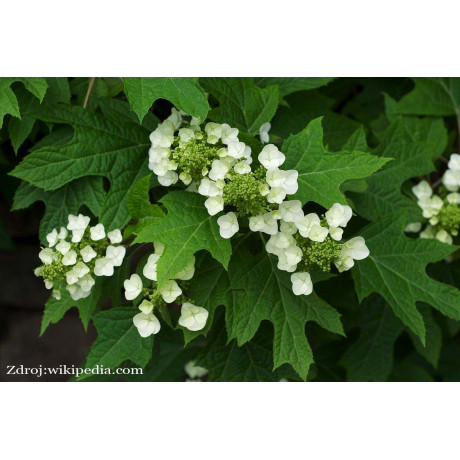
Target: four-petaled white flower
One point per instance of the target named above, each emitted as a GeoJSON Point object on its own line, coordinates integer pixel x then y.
{"type": "Point", "coordinates": [228, 225]}
{"type": "Point", "coordinates": [339, 215]}
{"type": "Point", "coordinates": [63, 247]}
{"type": "Point", "coordinates": [52, 238]}
{"type": "Point", "coordinates": [192, 317]}
{"type": "Point", "coordinates": [301, 283]}
{"type": "Point", "coordinates": [422, 190]}
{"type": "Point", "coordinates": [214, 204]}
{"type": "Point", "coordinates": [271, 157]}
{"type": "Point", "coordinates": [170, 291]}
{"type": "Point", "coordinates": [291, 211]}
{"type": "Point", "coordinates": [97, 232]}
{"type": "Point", "coordinates": [355, 248]}
{"type": "Point", "coordinates": [146, 324]}
{"type": "Point", "coordinates": [116, 254]}
{"type": "Point", "coordinates": [103, 267]}
{"type": "Point", "coordinates": [79, 222]}
{"type": "Point", "coordinates": [70, 258]}
{"type": "Point", "coordinates": [88, 253]}
{"type": "Point", "coordinates": [133, 286]}
{"type": "Point", "coordinates": [150, 268]}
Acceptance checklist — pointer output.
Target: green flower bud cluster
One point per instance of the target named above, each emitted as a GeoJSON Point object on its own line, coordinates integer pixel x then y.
{"type": "Point", "coordinates": [449, 218]}
{"type": "Point", "coordinates": [243, 192]}
{"type": "Point", "coordinates": [194, 158]}
{"type": "Point", "coordinates": [317, 254]}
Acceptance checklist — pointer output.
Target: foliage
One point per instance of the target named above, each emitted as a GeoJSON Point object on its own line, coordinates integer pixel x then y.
{"type": "Point", "coordinates": [81, 148]}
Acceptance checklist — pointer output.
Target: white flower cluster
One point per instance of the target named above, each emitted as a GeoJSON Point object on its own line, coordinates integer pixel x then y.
{"type": "Point", "coordinates": [306, 241]}
{"type": "Point", "coordinates": [76, 253]}
{"type": "Point", "coordinates": [192, 317]}
{"type": "Point", "coordinates": [442, 210]}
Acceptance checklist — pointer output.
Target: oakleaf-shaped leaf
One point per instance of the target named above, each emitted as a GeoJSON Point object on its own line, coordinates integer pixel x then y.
{"type": "Point", "coordinates": [184, 92]}
{"type": "Point", "coordinates": [242, 104]}
{"type": "Point", "coordinates": [262, 292]}
{"type": "Point", "coordinates": [118, 340]}
{"type": "Point", "coordinates": [396, 268]}
{"type": "Point", "coordinates": [432, 96]}
{"type": "Point", "coordinates": [115, 147]}
{"type": "Point", "coordinates": [186, 229]}
{"type": "Point", "coordinates": [320, 172]}
{"type": "Point", "coordinates": [413, 143]}
{"type": "Point", "coordinates": [288, 85]}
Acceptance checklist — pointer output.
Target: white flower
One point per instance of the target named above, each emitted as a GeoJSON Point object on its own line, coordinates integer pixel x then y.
{"type": "Point", "coordinates": [355, 248]}
{"type": "Point", "coordinates": [47, 255]}
{"type": "Point", "coordinates": [422, 190]}
{"type": "Point", "coordinates": [79, 222]}
{"type": "Point", "coordinates": [146, 307]}
{"type": "Point", "coordinates": [242, 167]}
{"type": "Point", "coordinates": [115, 236]}
{"type": "Point", "coordinates": [444, 237]}
{"type": "Point", "coordinates": [229, 134]}
{"type": "Point", "coordinates": [150, 268]}
{"type": "Point", "coordinates": [76, 292]}
{"type": "Point", "coordinates": [157, 155]}
{"type": "Point", "coordinates": [103, 267]}
{"type": "Point", "coordinates": [71, 277]}
{"type": "Point", "coordinates": [282, 240]}
{"type": "Point", "coordinates": [291, 211]}
{"type": "Point", "coordinates": [97, 232]}
{"type": "Point", "coordinates": [52, 238]}
{"type": "Point", "coordinates": [429, 232]}
{"type": "Point", "coordinates": [170, 291]}
{"type": "Point", "coordinates": [275, 177]}
{"type": "Point", "coordinates": [228, 225]}
{"type": "Point", "coordinates": [188, 272]}
{"type": "Point", "coordinates": [263, 132]}
{"type": "Point", "coordinates": [284, 265]}
{"type": "Point", "coordinates": [306, 223]}
{"type": "Point", "coordinates": [88, 253]}
{"type": "Point", "coordinates": [434, 221]}
{"type": "Point", "coordinates": [451, 180]}
{"type": "Point", "coordinates": [218, 170]}
{"type": "Point", "coordinates": [56, 294]}
{"type": "Point", "coordinates": [290, 182]}
{"type": "Point", "coordinates": [276, 195]}
{"type": "Point", "coordinates": [63, 247]}
{"type": "Point", "coordinates": [214, 132]}
{"type": "Point", "coordinates": [133, 286]}
{"type": "Point", "coordinates": [163, 136]}
{"type": "Point", "coordinates": [336, 233]}
{"type": "Point", "coordinates": [338, 215]}
{"type": "Point", "coordinates": [80, 269]}
{"type": "Point", "coordinates": [86, 283]}
{"type": "Point", "coordinates": [208, 188]}
{"type": "Point", "coordinates": [214, 204]}
{"type": "Point", "coordinates": [236, 149]}
{"type": "Point", "coordinates": [192, 317]}
{"type": "Point", "coordinates": [175, 118]}
{"type": "Point", "coordinates": [271, 224]}
{"type": "Point", "coordinates": [415, 227]}
{"type": "Point", "coordinates": [454, 162]}
{"type": "Point", "coordinates": [160, 168]}
{"type": "Point", "coordinates": [256, 223]}
{"type": "Point", "coordinates": [38, 271]}
{"type": "Point", "coordinates": [301, 283]}
{"type": "Point", "coordinates": [193, 371]}
{"type": "Point", "coordinates": [271, 157]}
{"type": "Point", "coordinates": [168, 179]}
{"type": "Point", "coordinates": [63, 233]}
{"type": "Point", "coordinates": [293, 255]}
{"type": "Point", "coordinates": [186, 134]}
{"type": "Point", "coordinates": [146, 324]}
{"type": "Point", "coordinates": [288, 227]}
{"type": "Point", "coordinates": [186, 178]}
{"type": "Point", "coordinates": [69, 258]}
{"type": "Point", "coordinates": [264, 189]}
{"type": "Point", "coordinates": [115, 254]}
{"type": "Point", "coordinates": [431, 206]}
{"type": "Point", "coordinates": [318, 233]}
{"type": "Point", "coordinates": [49, 284]}
{"type": "Point", "coordinates": [77, 235]}
{"type": "Point", "coordinates": [344, 263]}
{"type": "Point", "coordinates": [453, 198]}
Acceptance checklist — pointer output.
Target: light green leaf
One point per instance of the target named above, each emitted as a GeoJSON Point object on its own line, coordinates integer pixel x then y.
{"type": "Point", "coordinates": [113, 146]}
{"type": "Point", "coordinates": [288, 85]}
{"type": "Point", "coordinates": [185, 93]}
{"type": "Point", "coordinates": [395, 269]}
{"type": "Point", "coordinates": [186, 229]}
{"type": "Point", "coordinates": [242, 104]}
{"type": "Point", "coordinates": [320, 172]}
{"type": "Point", "coordinates": [118, 340]}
